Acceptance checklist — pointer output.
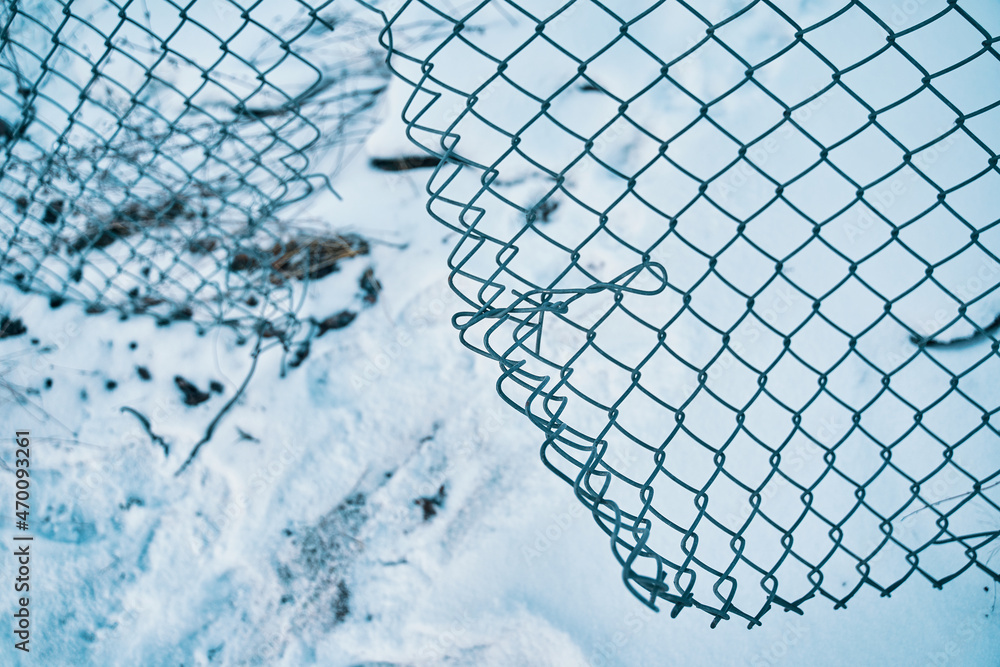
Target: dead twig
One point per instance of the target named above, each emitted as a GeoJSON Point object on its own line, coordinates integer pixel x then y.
{"type": "Point", "coordinates": [963, 341]}
{"type": "Point", "coordinates": [149, 429]}
{"type": "Point", "coordinates": [211, 426]}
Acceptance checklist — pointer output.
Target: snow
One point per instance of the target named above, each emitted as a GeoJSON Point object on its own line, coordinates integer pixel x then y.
{"type": "Point", "coordinates": [380, 504]}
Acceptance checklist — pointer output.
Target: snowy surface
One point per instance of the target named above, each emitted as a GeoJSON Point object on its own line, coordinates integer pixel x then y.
{"type": "Point", "coordinates": [806, 248]}
{"type": "Point", "coordinates": [378, 504]}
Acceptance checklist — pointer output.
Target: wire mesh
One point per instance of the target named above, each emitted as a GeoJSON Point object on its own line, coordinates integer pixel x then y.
{"type": "Point", "coordinates": [153, 153]}
{"type": "Point", "coordinates": [738, 262]}
{"type": "Point", "coordinates": [740, 270]}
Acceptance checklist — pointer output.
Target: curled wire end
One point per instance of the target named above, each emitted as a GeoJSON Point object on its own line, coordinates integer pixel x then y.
{"type": "Point", "coordinates": [541, 300]}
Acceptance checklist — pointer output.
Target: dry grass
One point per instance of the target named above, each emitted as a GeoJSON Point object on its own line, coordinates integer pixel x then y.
{"type": "Point", "coordinates": [131, 218]}
{"type": "Point", "coordinates": [313, 258]}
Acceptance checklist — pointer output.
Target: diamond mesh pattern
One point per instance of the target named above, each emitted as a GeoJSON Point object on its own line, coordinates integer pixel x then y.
{"type": "Point", "coordinates": [150, 152]}
{"type": "Point", "coordinates": [738, 263]}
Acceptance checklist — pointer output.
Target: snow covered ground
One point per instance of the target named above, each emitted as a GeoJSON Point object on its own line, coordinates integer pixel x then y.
{"type": "Point", "coordinates": [377, 504]}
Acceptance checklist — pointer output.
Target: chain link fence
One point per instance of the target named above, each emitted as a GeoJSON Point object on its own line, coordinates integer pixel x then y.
{"type": "Point", "coordinates": [158, 157]}
{"type": "Point", "coordinates": [739, 263]}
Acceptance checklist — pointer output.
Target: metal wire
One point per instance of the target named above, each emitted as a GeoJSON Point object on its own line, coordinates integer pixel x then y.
{"type": "Point", "coordinates": [694, 315]}
{"type": "Point", "coordinates": [700, 333]}
{"type": "Point", "coordinates": [153, 151]}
